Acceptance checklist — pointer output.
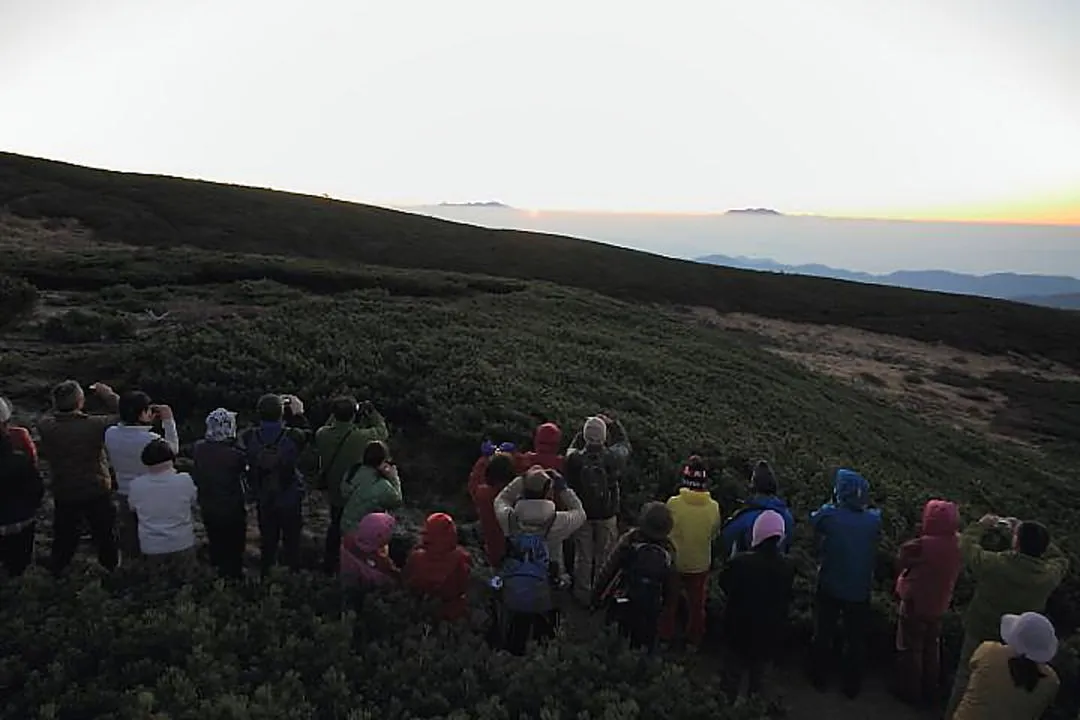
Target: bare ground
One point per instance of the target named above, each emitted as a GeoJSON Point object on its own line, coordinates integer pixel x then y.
{"type": "Point", "coordinates": [899, 369]}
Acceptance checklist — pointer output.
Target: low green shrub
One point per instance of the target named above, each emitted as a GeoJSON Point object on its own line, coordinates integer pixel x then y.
{"type": "Point", "coordinates": [84, 326]}
{"type": "Point", "coordinates": [136, 645]}
{"type": "Point", "coordinates": [17, 299]}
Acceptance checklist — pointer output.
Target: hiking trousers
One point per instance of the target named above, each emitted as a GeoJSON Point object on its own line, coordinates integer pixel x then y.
{"type": "Point", "coordinates": [279, 531]}
{"type": "Point", "coordinates": [100, 515]}
{"type": "Point", "coordinates": [332, 551]}
{"type": "Point", "coordinates": [918, 662]}
{"type": "Point", "coordinates": [227, 536]}
{"type": "Point", "coordinates": [127, 529]}
{"type": "Point", "coordinates": [523, 627]}
{"type": "Point", "coordinates": [694, 587]}
{"type": "Point", "coordinates": [17, 550]}
{"type": "Point", "coordinates": [828, 614]}
{"type": "Point", "coordinates": [592, 543]}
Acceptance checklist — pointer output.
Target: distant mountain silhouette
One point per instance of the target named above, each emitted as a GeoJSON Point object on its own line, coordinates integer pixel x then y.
{"type": "Point", "coordinates": [1049, 290]}
{"type": "Point", "coordinates": [489, 203]}
{"type": "Point", "coordinates": [753, 211]}
{"type": "Point", "coordinates": [1064, 302]}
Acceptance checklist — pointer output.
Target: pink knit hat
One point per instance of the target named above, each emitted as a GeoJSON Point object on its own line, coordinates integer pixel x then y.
{"type": "Point", "coordinates": [768, 524]}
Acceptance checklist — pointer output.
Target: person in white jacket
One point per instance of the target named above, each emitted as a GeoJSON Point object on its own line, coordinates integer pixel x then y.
{"type": "Point", "coordinates": [162, 501]}
{"type": "Point", "coordinates": [525, 502]}
{"type": "Point", "coordinates": [124, 444]}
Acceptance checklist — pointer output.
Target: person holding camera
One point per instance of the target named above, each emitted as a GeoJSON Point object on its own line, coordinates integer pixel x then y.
{"type": "Point", "coordinates": [124, 444]}
{"type": "Point", "coordinates": [372, 486]}
{"type": "Point", "coordinates": [1015, 581]}
{"type": "Point", "coordinates": [340, 444]}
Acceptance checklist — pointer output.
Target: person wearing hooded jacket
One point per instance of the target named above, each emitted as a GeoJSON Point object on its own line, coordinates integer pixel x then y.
{"type": "Point", "coordinates": [847, 532]}
{"type": "Point", "coordinates": [765, 488]}
{"type": "Point", "coordinates": [220, 473]}
{"type": "Point", "coordinates": [639, 620]}
{"type": "Point", "coordinates": [372, 486]}
{"type": "Point", "coordinates": [1018, 580]}
{"type": "Point", "coordinates": [696, 518]}
{"type": "Point", "coordinates": [758, 583]}
{"type": "Point", "coordinates": [545, 449]}
{"type": "Point", "coordinates": [21, 491]}
{"type": "Point", "coordinates": [439, 567]}
{"type": "Point", "coordinates": [928, 567]}
{"type": "Point", "coordinates": [523, 507]}
{"type": "Point", "coordinates": [365, 557]}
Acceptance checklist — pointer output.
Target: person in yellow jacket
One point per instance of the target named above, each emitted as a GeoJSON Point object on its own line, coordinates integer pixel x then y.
{"type": "Point", "coordinates": [697, 520]}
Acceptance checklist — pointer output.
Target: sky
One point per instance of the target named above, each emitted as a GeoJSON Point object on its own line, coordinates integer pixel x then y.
{"type": "Point", "coordinates": [936, 109]}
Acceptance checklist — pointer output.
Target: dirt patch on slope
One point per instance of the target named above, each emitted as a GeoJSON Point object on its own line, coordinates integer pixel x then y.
{"type": "Point", "coordinates": [959, 388]}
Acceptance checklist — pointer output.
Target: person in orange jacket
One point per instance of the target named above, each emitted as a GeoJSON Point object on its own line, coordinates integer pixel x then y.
{"type": "Point", "coordinates": [439, 567]}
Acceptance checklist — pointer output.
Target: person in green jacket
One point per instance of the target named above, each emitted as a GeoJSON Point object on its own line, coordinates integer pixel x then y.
{"type": "Point", "coordinates": [372, 486]}
{"type": "Point", "coordinates": [340, 444]}
{"type": "Point", "coordinates": [1010, 582]}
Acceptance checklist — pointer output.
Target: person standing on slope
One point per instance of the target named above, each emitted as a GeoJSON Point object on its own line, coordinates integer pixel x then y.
{"type": "Point", "coordinates": [372, 486]}
{"type": "Point", "coordinates": [696, 518]}
{"type": "Point", "coordinates": [439, 567]}
{"type": "Point", "coordinates": [162, 501]}
{"type": "Point", "coordinates": [1012, 681]}
{"type": "Point", "coordinates": [124, 444]}
{"type": "Point", "coordinates": [847, 532]}
{"type": "Point", "coordinates": [545, 450]}
{"type": "Point", "coordinates": [533, 526]}
{"type": "Point", "coordinates": [765, 490]}
{"type": "Point", "coordinates": [73, 444]}
{"type": "Point", "coordinates": [273, 450]}
{"type": "Point", "coordinates": [1014, 581]}
{"type": "Point", "coordinates": [21, 491]}
{"type": "Point", "coordinates": [498, 472]}
{"type": "Point", "coordinates": [758, 583]}
{"type": "Point", "coordinates": [638, 577]}
{"type": "Point", "coordinates": [20, 436]}
{"type": "Point", "coordinates": [595, 474]}
{"type": "Point", "coordinates": [928, 567]}
{"type": "Point", "coordinates": [341, 443]}
{"type": "Point", "coordinates": [220, 473]}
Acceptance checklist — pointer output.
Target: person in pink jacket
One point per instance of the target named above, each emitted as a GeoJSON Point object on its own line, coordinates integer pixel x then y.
{"type": "Point", "coordinates": [365, 557]}
{"type": "Point", "coordinates": [928, 567]}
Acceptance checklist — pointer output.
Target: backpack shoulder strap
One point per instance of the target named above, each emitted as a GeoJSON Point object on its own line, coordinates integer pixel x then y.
{"type": "Point", "coordinates": [337, 450]}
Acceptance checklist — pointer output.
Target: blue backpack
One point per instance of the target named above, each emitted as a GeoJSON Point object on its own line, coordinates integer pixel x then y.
{"type": "Point", "coordinates": [526, 573]}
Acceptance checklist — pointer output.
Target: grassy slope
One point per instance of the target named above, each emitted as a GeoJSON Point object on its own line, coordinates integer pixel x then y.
{"type": "Point", "coordinates": [150, 210]}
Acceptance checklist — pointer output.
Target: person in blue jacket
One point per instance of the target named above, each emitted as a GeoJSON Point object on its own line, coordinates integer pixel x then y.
{"type": "Point", "coordinates": [847, 532]}
{"type": "Point", "coordinates": [737, 531]}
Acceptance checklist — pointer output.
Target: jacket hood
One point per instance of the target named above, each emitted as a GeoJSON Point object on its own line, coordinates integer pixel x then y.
{"type": "Point", "coordinates": [440, 534]}
{"type": "Point", "coordinates": [374, 532]}
{"type": "Point", "coordinates": [547, 439]}
{"type": "Point", "coordinates": [940, 518]}
{"type": "Point", "coordinates": [533, 515]}
{"type": "Point", "coordinates": [851, 489]}
{"type": "Point", "coordinates": [694, 497]}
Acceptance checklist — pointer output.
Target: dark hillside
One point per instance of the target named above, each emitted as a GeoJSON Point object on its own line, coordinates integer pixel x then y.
{"type": "Point", "coordinates": [153, 210]}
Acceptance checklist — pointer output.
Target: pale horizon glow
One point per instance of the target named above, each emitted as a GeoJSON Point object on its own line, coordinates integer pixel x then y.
{"type": "Point", "coordinates": [928, 109]}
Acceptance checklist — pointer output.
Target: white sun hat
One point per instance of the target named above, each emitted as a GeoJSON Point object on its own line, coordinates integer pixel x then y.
{"type": "Point", "coordinates": [1030, 635]}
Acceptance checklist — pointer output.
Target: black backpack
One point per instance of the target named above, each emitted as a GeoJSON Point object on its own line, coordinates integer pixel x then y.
{"type": "Point", "coordinates": [597, 485]}
{"type": "Point", "coordinates": [271, 472]}
{"type": "Point", "coordinates": [645, 576]}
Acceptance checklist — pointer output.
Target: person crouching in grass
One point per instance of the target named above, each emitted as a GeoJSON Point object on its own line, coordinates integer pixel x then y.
{"type": "Point", "coordinates": [439, 568]}
{"type": "Point", "coordinates": [162, 500]}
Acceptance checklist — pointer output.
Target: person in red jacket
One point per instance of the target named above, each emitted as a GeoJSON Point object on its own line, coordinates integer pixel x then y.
{"type": "Point", "coordinates": [496, 473]}
{"type": "Point", "coordinates": [20, 437]}
{"type": "Point", "coordinates": [928, 567]}
{"type": "Point", "coordinates": [545, 450]}
{"type": "Point", "coordinates": [439, 567]}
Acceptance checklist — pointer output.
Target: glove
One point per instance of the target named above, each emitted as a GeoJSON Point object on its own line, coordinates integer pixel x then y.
{"type": "Point", "coordinates": [507, 447]}
{"type": "Point", "coordinates": [487, 448]}
{"type": "Point", "coordinates": [557, 481]}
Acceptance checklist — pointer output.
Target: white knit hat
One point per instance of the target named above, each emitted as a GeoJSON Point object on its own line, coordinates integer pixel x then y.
{"type": "Point", "coordinates": [595, 431]}
{"type": "Point", "coordinates": [5, 410]}
{"type": "Point", "coordinates": [1030, 635]}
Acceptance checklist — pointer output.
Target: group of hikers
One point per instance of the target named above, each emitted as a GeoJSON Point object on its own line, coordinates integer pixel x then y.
{"type": "Point", "coordinates": [549, 521]}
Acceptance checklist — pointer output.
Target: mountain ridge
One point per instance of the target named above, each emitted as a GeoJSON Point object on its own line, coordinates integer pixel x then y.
{"type": "Point", "coordinates": [1020, 287]}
